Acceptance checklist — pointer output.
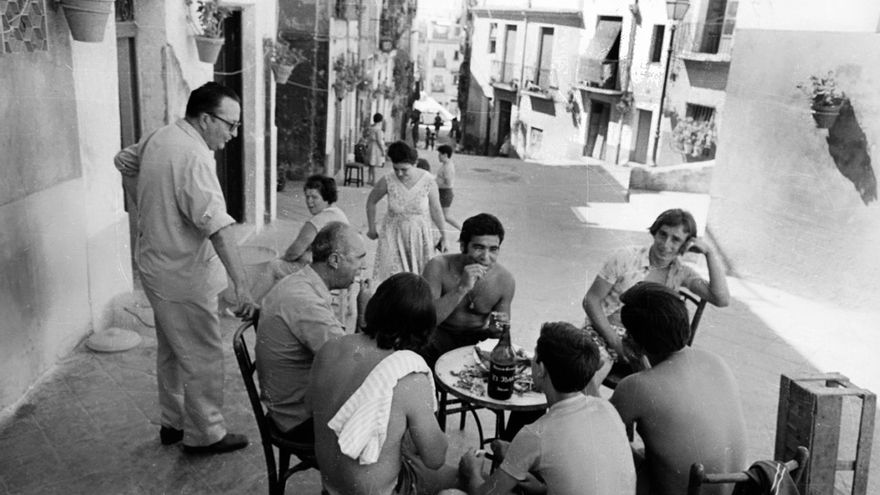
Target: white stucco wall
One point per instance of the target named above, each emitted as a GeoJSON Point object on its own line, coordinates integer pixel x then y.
{"type": "Point", "coordinates": [815, 15]}
{"type": "Point", "coordinates": [65, 252]}
{"type": "Point", "coordinates": [781, 209]}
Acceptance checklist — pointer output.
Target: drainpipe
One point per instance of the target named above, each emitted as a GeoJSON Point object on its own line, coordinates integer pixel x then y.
{"type": "Point", "coordinates": [627, 84]}
{"type": "Point", "coordinates": [663, 92]}
{"type": "Point", "coordinates": [522, 78]}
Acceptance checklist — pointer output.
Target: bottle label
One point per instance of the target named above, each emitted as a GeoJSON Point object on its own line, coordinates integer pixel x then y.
{"type": "Point", "coordinates": [501, 378]}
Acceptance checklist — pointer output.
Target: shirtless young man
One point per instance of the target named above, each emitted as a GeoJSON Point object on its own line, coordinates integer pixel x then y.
{"type": "Point", "coordinates": [373, 400]}
{"type": "Point", "coordinates": [467, 287]}
{"type": "Point", "coordinates": [686, 408]}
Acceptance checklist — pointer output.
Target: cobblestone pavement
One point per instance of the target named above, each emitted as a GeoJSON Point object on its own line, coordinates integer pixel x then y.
{"type": "Point", "coordinates": [91, 425]}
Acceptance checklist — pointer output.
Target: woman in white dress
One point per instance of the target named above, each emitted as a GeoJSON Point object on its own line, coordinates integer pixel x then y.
{"type": "Point", "coordinates": [406, 240]}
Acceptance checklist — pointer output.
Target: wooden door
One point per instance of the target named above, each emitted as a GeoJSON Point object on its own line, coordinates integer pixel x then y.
{"type": "Point", "coordinates": [643, 135]}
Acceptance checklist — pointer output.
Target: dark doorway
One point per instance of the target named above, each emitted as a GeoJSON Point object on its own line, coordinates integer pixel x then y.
{"type": "Point", "coordinates": [503, 121]}
{"type": "Point", "coordinates": [230, 160]}
{"type": "Point", "coordinates": [643, 135]}
{"type": "Point", "coordinates": [597, 130]}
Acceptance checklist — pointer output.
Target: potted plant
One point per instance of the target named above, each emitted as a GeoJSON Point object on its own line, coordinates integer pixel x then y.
{"type": "Point", "coordinates": [283, 58]}
{"type": "Point", "coordinates": [350, 75]}
{"type": "Point", "coordinates": [694, 139]}
{"type": "Point", "coordinates": [87, 19]}
{"type": "Point", "coordinates": [209, 27]}
{"type": "Point", "coordinates": [825, 98]}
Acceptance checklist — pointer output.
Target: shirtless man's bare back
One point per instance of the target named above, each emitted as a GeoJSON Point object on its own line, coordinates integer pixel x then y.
{"type": "Point", "coordinates": [468, 287]}
{"type": "Point", "coordinates": [686, 408]}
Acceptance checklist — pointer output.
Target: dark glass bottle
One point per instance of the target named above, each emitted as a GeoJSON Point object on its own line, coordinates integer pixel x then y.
{"type": "Point", "coordinates": [502, 366]}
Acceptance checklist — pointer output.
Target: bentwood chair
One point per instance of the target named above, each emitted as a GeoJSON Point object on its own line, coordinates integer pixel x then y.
{"type": "Point", "coordinates": [269, 434]}
{"type": "Point", "coordinates": [794, 467]}
{"type": "Point", "coordinates": [621, 369]}
{"type": "Point", "coordinates": [447, 406]}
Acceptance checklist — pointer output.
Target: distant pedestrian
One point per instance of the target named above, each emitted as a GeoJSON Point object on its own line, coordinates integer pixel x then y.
{"type": "Point", "coordinates": [185, 241]}
{"type": "Point", "coordinates": [375, 147]}
{"type": "Point", "coordinates": [455, 130]}
{"type": "Point", "coordinates": [445, 179]}
{"type": "Point", "coordinates": [438, 123]}
{"type": "Point", "coordinates": [415, 133]}
{"type": "Point", "coordinates": [429, 138]}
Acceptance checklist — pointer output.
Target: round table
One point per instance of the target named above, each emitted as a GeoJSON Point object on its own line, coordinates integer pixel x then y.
{"type": "Point", "coordinates": [455, 361]}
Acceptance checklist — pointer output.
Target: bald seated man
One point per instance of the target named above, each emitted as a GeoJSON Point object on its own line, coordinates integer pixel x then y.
{"type": "Point", "coordinates": [298, 319]}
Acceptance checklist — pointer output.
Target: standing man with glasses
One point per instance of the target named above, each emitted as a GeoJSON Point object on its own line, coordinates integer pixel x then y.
{"type": "Point", "coordinates": [183, 244]}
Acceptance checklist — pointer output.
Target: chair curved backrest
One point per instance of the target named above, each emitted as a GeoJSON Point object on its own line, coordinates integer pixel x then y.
{"type": "Point", "coordinates": [700, 304]}
{"type": "Point", "coordinates": [269, 435]}
{"type": "Point", "coordinates": [698, 476]}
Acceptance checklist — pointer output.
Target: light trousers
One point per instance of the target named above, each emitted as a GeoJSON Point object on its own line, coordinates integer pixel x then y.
{"type": "Point", "coordinates": [189, 368]}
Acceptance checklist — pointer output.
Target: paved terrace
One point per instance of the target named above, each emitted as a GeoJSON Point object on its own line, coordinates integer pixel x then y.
{"type": "Point", "coordinates": [91, 424]}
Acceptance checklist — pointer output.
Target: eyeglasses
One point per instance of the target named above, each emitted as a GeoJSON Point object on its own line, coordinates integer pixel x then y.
{"type": "Point", "coordinates": [232, 125]}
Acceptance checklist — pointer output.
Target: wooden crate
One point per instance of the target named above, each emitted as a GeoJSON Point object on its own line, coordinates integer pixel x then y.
{"type": "Point", "coordinates": [810, 415]}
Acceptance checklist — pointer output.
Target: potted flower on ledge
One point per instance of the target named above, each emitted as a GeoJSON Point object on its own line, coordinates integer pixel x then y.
{"type": "Point", "coordinates": [825, 99]}
{"type": "Point", "coordinates": [209, 27]}
{"type": "Point", "coordinates": [282, 58]}
{"type": "Point", "coordinates": [694, 139]}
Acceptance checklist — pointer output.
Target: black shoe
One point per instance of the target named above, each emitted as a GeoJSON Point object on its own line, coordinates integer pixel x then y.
{"type": "Point", "coordinates": [170, 436]}
{"type": "Point", "coordinates": [232, 441]}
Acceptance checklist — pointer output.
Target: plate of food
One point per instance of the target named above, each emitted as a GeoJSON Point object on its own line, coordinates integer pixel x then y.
{"type": "Point", "coordinates": [474, 377]}
{"type": "Point", "coordinates": [483, 349]}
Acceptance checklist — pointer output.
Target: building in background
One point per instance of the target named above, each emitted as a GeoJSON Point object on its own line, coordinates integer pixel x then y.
{"type": "Point", "coordinates": [560, 81]}
{"type": "Point", "coordinates": [357, 63]}
{"type": "Point", "coordinates": [440, 55]}
{"type": "Point", "coordinates": [63, 225]}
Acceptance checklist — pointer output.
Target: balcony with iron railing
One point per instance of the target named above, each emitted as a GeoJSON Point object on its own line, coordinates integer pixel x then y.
{"type": "Point", "coordinates": [505, 73]}
{"type": "Point", "coordinates": [540, 79]}
{"type": "Point", "coordinates": [605, 76]}
{"type": "Point", "coordinates": [705, 41]}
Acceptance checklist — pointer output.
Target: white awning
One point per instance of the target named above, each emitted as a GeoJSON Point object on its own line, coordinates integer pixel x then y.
{"type": "Point", "coordinates": [607, 32]}
{"type": "Point", "coordinates": [426, 104]}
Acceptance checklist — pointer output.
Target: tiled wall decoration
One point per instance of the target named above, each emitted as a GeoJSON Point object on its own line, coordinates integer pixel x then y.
{"type": "Point", "coordinates": [23, 26]}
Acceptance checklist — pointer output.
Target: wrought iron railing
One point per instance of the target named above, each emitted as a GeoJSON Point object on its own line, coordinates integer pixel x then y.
{"type": "Point", "coordinates": [505, 72]}
{"type": "Point", "coordinates": [603, 74]}
{"type": "Point", "coordinates": [710, 38]}
{"type": "Point", "coordinates": [543, 78]}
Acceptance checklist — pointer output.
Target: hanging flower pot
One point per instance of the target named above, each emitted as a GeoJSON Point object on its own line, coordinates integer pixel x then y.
{"type": "Point", "coordinates": [825, 97]}
{"type": "Point", "coordinates": [825, 115]}
{"type": "Point", "coordinates": [209, 48]}
{"type": "Point", "coordinates": [282, 72]}
{"type": "Point", "coordinates": [87, 18]}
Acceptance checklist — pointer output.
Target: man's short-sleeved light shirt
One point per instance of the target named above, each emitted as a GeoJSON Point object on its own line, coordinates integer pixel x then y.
{"type": "Point", "coordinates": [629, 266]}
{"type": "Point", "coordinates": [579, 447]}
{"type": "Point", "coordinates": [180, 205]}
{"type": "Point", "coordinates": [296, 320]}
{"type": "Point", "coordinates": [329, 214]}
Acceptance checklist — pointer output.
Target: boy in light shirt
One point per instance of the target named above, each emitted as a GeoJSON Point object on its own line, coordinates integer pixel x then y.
{"type": "Point", "coordinates": [445, 178]}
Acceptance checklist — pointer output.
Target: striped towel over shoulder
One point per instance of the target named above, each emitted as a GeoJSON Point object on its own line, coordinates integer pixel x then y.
{"type": "Point", "coordinates": [361, 424]}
